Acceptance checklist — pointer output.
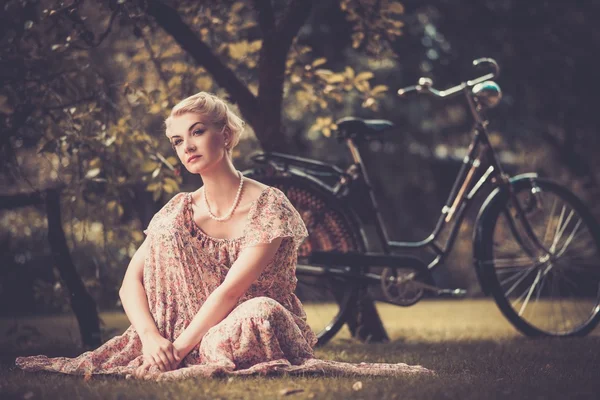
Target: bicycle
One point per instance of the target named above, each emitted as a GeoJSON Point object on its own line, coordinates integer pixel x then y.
{"type": "Point", "coordinates": [535, 244]}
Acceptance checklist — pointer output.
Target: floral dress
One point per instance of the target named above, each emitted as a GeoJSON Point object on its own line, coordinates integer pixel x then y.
{"type": "Point", "coordinates": [265, 333]}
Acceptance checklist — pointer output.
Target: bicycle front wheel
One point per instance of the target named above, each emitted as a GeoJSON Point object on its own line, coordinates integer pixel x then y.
{"type": "Point", "coordinates": [552, 288]}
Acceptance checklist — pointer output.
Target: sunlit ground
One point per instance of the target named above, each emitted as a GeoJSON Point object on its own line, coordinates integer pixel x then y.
{"type": "Point", "coordinates": [473, 348]}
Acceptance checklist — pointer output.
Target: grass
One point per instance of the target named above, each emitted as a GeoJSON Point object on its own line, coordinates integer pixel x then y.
{"type": "Point", "coordinates": [475, 351]}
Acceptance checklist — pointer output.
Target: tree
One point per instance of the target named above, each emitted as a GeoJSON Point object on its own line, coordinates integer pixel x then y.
{"type": "Point", "coordinates": [58, 96]}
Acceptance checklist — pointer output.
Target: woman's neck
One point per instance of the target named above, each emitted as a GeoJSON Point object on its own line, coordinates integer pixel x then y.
{"type": "Point", "coordinates": [221, 185]}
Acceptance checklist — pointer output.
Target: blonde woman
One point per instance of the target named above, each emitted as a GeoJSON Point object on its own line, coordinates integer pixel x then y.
{"type": "Point", "coordinates": [211, 289]}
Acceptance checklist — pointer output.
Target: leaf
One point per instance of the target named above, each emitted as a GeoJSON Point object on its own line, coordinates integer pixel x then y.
{"type": "Point", "coordinates": [369, 102]}
{"type": "Point", "coordinates": [170, 185]}
{"type": "Point", "coordinates": [204, 83]}
{"type": "Point", "coordinates": [357, 38]}
{"type": "Point", "coordinates": [335, 78]}
{"type": "Point", "coordinates": [323, 73]}
{"type": "Point", "coordinates": [174, 82]}
{"type": "Point", "coordinates": [362, 86]}
{"type": "Point", "coordinates": [137, 236]}
{"type": "Point", "coordinates": [363, 76]}
{"type": "Point", "coordinates": [255, 46]}
{"type": "Point", "coordinates": [172, 160]}
{"type": "Point", "coordinates": [396, 8]}
{"type": "Point", "coordinates": [179, 67]}
{"type": "Point", "coordinates": [349, 72]}
{"type": "Point", "coordinates": [114, 205]}
{"type": "Point", "coordinates": [319, 61]}
{"type": "Point", "coordinates": [288, 391]}
{"type": "Point", "coordinates": [357, 386]}
{"type": "Point", "coordinates": [110, 141]}
{"type": "Point", "coordinates": [156, 195]}
{"type": "Point", "coordinates": [379, 89]}
{"type": "Point", "coordinates": [111, 205]}
{"type": "Point", "coordinates": [155, 109]}
{"type": "Point", "coordinates": [92, 173]}
{"type": "Point", "coordinates": [153, 186]}
{"type": "Point", "coordinates": [238, 50]}
{"type": "Point", "coordinates": [149, 166]}
{"type": "Point", "coordinates": [156, 172]}
{"type": "Point", "coordinates": [95, 162]}
{"type": "Point", "coordinates": [237, 7]}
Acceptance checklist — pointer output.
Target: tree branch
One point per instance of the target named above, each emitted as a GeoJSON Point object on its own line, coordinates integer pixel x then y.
{"type": "Point", "coordinates": [266, 17]}
{"type": "Point", "coordinates": [170, 20]}
{"type": "Point", "coordinates": [290, 24]}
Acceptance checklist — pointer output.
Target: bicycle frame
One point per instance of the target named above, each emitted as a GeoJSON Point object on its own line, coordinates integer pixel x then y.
{"type": "Point", "coordinates": [470, 180]}
{"type": "Point", "coordinates": [480, 155]}
{"type": "Point", "coordinates": [460, 198]}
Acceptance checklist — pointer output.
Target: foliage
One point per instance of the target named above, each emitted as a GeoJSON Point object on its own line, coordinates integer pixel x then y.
{"type": "Point", "coordinates": [86, 88]}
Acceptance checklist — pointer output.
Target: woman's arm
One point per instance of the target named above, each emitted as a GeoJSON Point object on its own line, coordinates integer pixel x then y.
{"type": "Point", "coordinates": [133, 296]}
{"type": "Point", "coordinates": [157, 350]}
{"type": "Point", "coordinates": [245, 270]}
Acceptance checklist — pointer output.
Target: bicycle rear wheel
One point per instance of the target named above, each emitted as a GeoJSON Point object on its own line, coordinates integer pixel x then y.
{"type": "Point", "coordinates": [552, 292]}
{"type": "Point", "coordinates": [327, 298]}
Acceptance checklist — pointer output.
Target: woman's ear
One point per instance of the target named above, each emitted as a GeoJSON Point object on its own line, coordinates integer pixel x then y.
{"type": "Point", "coordinates": [227, 136]}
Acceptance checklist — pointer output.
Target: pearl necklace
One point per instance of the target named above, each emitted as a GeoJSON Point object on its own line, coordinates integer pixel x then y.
{"type": "Point", "coordinates": [233, 207]}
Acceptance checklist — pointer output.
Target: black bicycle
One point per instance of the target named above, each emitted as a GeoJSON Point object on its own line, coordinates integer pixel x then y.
{"type": "Point", "coordinates": [536, 245]}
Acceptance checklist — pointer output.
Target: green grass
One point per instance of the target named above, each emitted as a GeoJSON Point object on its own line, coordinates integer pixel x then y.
{"type": "Point", "coordinates": [475, 351]}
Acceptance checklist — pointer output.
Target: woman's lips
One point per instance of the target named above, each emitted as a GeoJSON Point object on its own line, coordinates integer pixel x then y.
{"type": "Point", "coordinates": [191, 159]}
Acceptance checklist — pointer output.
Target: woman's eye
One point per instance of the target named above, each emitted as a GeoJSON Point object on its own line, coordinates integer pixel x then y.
{"type": "Point", "coordinates": [176, 142]}
{"type": "Point", "coordinates": [198, 131]}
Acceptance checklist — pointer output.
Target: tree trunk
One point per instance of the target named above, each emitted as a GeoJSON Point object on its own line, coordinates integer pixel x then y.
{"type": "Point", "coordinates": [82, 303]}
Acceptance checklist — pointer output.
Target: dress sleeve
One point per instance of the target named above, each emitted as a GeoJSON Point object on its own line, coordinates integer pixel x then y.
{"type": "Point", "coordinates": [163, 212]}
{"type": "Point", "coordinates": [274, 216]}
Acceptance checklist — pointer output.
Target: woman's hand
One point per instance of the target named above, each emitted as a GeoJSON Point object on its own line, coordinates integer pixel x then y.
{"type": "Point", "coordinates": [160, 352]}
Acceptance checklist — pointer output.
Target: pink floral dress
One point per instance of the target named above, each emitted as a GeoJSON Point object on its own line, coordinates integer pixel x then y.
{"type": "Point", "coordinates": [265, 333]}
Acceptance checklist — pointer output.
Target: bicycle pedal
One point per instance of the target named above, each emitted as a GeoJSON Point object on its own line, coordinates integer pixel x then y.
{"type": "Point", "coordinates": [451, 293]}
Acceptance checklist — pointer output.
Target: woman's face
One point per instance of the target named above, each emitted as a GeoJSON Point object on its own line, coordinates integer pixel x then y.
{"type": "Point", "coordinates": [198, 142]}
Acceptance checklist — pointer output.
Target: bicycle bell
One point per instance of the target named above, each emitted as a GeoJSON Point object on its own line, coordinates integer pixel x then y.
{"type": "Point", "coordinates": [487, 93]}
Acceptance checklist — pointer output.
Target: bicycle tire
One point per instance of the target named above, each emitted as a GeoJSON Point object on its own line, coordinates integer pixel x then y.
{"type": "Point", "coordinates": [327, 301]}
{"type": "Point", "coordinates": [506, 276]}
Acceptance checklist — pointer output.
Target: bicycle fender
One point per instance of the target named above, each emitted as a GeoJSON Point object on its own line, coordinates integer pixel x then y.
{"type": "Point", "coordinates": [498, 196]}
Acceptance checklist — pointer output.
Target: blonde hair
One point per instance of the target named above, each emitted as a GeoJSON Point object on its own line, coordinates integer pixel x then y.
{"type": "Point", "coordinates": [215, 109]}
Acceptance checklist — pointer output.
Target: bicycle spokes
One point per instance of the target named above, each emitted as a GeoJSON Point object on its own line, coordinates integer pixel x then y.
{"type": "Point", "coordinates": [552, 282]}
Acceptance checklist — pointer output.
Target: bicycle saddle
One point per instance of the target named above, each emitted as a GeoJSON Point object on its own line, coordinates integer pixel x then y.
{"type": "Point", "coordinates": [361, 129]}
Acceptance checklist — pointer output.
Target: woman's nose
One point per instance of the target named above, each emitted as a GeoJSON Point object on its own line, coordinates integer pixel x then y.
{"type": "Point", "coordinates": [190, 147]}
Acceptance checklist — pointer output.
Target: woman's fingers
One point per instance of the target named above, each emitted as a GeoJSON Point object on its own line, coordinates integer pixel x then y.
{"type": "Point", "coordinates": [158, 362]}
{"type": "Point", "coordinates": [142, 369]}
{"type": "Point", "coordinates": [176, 357]}
{"type": "Point", "coordinates": [166, 363]}
{"type": "Point", "coordinates": [170, 358]}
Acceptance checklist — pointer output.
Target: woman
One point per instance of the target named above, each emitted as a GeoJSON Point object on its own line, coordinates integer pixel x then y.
{"type": "Point", "coordinates": [210, 290]}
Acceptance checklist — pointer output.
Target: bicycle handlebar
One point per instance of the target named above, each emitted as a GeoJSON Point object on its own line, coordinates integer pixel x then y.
{"type": "Point", "coordinates": [425, 84]}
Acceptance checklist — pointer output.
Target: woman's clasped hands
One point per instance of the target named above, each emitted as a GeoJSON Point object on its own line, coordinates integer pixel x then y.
{"type": "Point", "coordinates": [158, 352]}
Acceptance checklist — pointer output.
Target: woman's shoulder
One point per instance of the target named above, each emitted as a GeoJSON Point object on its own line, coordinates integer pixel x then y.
{"type": "Point", "coordinates": [176, 200]}
{"type": "Point", "coordinates": [173, 205]}
{"type": "Point", "coordinates": [255, 193]}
